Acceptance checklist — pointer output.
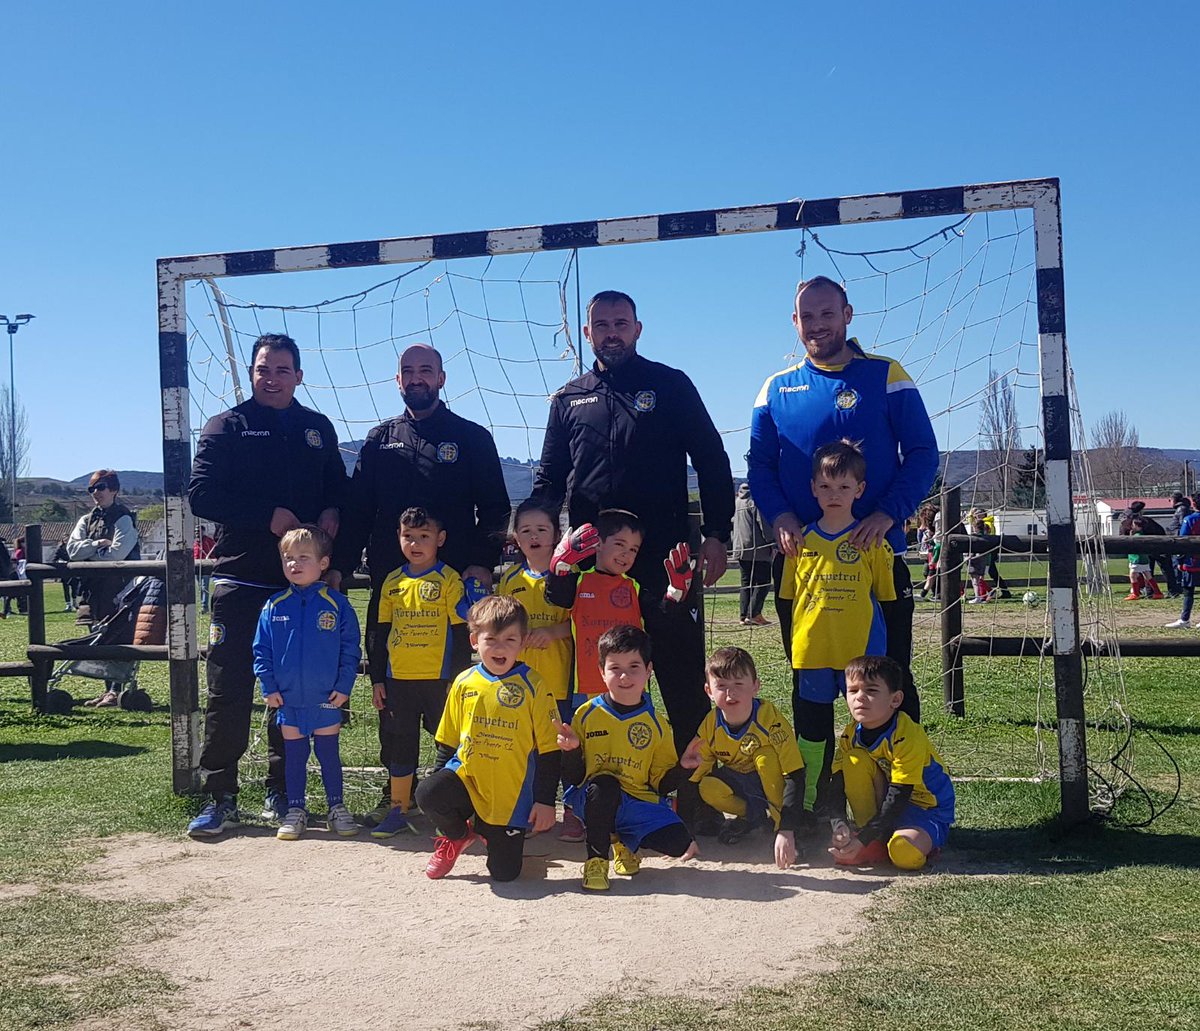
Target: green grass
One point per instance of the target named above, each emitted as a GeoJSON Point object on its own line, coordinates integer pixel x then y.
{"type": "Point", "coordinates": [1024, 925]}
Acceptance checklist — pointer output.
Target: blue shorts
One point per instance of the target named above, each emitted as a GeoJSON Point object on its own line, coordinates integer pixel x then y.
{"type": "Point", "coordinates": [635, 817]}
{"type": "Point", "coordinates": [926, 820]}
{"type": "Point", "coordinates": [820, 685]}
{"type": "Point", "coordinates": [308, 719]}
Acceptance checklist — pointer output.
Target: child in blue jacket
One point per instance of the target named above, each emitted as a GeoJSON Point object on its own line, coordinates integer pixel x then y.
{"type": "Point", "coordinates": [306, 655]}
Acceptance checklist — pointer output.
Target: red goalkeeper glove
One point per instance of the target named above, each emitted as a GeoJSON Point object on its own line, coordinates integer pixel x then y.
{"type": "Point", "coordinates": [680, 568]}
{"type": "Point", "coordinates": [575, 546]}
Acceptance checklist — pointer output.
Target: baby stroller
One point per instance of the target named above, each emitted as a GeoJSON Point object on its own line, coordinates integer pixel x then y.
{"type": "Point", "coordinates": [134, 622]}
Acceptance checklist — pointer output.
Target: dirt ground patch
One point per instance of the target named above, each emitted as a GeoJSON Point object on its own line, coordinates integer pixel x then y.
{"type": "Point", "coordinates": [345, 933]}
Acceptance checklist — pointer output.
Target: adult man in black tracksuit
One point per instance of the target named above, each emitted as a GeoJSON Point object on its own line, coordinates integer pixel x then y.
{"type": "Point", "coordinates": [620, 436]}
{"type": "Point", "coordinates": [430, 457]}
{"type": "Point", "coordinates": [261, 469]}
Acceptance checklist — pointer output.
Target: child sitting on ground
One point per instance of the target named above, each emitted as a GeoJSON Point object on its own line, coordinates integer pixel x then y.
{"type": "Point", "coordinates": [619, 756]}
{"type": "Point", "coordinates": [306, 655]}
{"type": "Point", "coordinates": [901, 798]}
{"type": "Point", "coordinates": [421, 605]}
{"type": "Point", "coordinates": [745, 759]}
{"type": "Point", "coordinates": [498, 763]}
{"type": "Point", "coordinates": [548, 649]}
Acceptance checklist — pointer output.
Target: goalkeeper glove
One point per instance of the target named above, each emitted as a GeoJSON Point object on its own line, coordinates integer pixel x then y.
{"type": "Point", "coordinates": [680, 567]}
{"type": "Point", "coordinates": [575, 546]}
{"type": "Point", "coordinates": [474, 590]}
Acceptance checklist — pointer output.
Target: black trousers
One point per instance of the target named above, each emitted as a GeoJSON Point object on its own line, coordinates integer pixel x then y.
{"type": "Point", "coordinates": [408, 705]}
{"type": "Point", "coordinates": [230, 666]}
{"type": "Point", "coordinates": [677, 642]}
{"type": "Point", "coordinates": [443, 797]}
{"type": "Point", "coordinates": [897, 617]}
{"type": "Point", "coordinates": [756, 582]}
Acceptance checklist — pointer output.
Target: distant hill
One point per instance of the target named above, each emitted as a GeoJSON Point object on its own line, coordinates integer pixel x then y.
{"type": "Point", "coordinates": [133, 481]}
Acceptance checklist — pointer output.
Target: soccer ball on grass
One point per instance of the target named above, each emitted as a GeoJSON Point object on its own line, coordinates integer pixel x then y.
{"type": "Point", "coordinates": [1030, 598]}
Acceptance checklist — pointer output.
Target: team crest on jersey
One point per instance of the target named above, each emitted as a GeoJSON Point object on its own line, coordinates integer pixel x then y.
{"type": "Point", "coordinates": [884, 764]}
{"type": "Point", "coordinates": [312, 438]}
{"type": "Point", "coordinates": [430, 590]}
{"type": "Point", "coordinates": [216, 634]}
{"type": "Point", "coordinates": [639, 736]}
{"type": "Point", "coordinates": [447, 452]}
{"type": "Point", "coordinates": [327, 620]}
{"type": "Point", "coordinates": [621, 597]}
{"type": "Point", "coordinates": [645, 401]}
{"type": "Point", "coordinates": [846, 400]}
{"type": "Point", "coordinates": [749, 745]}
{"type": "Point", "coordinates": [847, 552]}
{"type": "Point", "coordinates": [510, 695]}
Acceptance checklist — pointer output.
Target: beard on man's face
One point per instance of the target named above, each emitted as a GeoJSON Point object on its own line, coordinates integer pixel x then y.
{"type": "Point", "coordinates": [614, 352]}
{"type": "Point", "coordinates": [418, 397]}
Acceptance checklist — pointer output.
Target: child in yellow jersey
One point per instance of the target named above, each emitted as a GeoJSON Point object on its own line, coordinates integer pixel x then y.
{"type": "Point", "coordinates": [745, 759]}
{"type": "Point", "coordinates": [548, 649]}
{"type": "Point", "coordinates": [900, 796]}
{"type": "Point", "coordinates": [421, 606]}
{"type": "Point", "coordinates": [835, 587]}
{"type": "Point", "coordinates": [497, 759]}
{"type": "Point", "coordinates": [619, 756]}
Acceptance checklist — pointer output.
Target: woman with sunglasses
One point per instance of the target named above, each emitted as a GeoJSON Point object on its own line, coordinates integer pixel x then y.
{"type": "Point", "coordinates": [106, 534]}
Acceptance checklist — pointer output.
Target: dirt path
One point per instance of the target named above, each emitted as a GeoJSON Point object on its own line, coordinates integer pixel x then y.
{"type": "Point", "coordinates": [336, 933]}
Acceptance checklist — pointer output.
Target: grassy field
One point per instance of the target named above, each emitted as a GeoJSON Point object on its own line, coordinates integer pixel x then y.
{"type": "Point", "coordinates": [1023, 925]}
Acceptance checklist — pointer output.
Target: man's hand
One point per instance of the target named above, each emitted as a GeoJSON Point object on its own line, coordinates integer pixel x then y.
{"type": "Point", "coordinates": [484, 576]}
{"type": "Point", "coordinates": [785, 849]}
{"type": "Point", "coordinates": [690, 760]}
{"type": "Point", "coordinates": [871, 530]}
{"type": "Point", "coordinates": [541, 817]}
{"type": "Point", "coordinates": [575, 547]}
{"type": "Point", "coordinates": [378, 694]}
{"type": "Point", "coordinates": [714, 560]}
{"type": "Point", "coordinates": [330, 521]}
{"type": "Point", "coordinates": [788, 532]}
{"type": "Point", "coordinates": [333, 577]}
{"type": "Point", "coordinates": [282, 520]}
{"type": "Point", "coordinates": [337, 699]}
{"type": "Point", "coordinates": [106, 543]}
{"type": "Point", "coordinates": [538, 639]}
{"type": "Point", "coordinates": [680, 567]}
{"type": "Point", "coordinates": [568, 740]}
{"type": "Point", "coordinates": [274, 700]}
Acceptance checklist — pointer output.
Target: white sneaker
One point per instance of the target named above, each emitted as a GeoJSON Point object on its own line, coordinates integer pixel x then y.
{"type": "Point", "coordinates": [293, 825]}
{"type": "Point", "coordinates": [1176, 623]}
{"type": "Point", "coordinates": [977, 601]}
{"type": "Point", "coordinates": [341, 821]}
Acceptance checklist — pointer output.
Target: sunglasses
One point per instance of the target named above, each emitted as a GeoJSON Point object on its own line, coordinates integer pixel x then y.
{"type": "Point", "coordinates": [99, 486]}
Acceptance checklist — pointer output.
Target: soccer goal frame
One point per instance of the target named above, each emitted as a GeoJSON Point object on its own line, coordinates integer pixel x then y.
{"type": "Point", "coordinates": [1042, 196]}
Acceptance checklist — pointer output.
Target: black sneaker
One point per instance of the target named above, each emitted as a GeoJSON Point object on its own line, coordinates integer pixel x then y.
{"type": "Point", "coordinates": [734, 830]}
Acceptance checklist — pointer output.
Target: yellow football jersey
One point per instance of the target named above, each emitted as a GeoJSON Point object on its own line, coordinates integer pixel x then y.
{"type": "Point", "coordinates": [421, 610]}
{"type": "Point", "coordinates": [767, 731]}
{"type": "Point", "coordinates": [552, 663]}
{"type": "Point", "coordinates": [836, 589]}
{"type": "Point", "coordinates": [905, 755]}
{"type": "Point", "coordinates": [498, 726]}
{"type": "Point", "coordinates": [635, 747]}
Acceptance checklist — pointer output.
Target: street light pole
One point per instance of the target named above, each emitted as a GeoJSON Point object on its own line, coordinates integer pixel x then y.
{"type": "Point", "coordinates": [12, 325]}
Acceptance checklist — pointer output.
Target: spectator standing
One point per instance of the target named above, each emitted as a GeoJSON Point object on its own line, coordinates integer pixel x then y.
{"type": "Point", "coordinates": [753, 550]}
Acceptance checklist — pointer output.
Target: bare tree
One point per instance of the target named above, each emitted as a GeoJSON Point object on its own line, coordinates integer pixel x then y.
{"type": "Point", "coordinates": [1114, 432]}
{"type": "Point", "coordinates": [999, 435]}
{"type": "Point", "coordinates": [1119, 465]}
{"type": "Point", "coordinates": [14, 450]}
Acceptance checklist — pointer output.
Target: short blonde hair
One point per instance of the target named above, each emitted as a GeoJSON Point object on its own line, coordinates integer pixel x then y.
{"type": "Point", "coordinates": [307, 533]}
{"type": "Point", "coordinates": [497, 613]}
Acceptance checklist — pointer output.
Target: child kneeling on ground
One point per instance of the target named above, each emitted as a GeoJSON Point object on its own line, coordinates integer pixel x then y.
{"type": "Point", "coordinates": [619, 756]}
{"type": "Point", "coordinates": [745, 758]}
{"type": "Point", "coordinates": [497, 762]}
{"type": "Point", "coordinates": [306, 655]}
{"type": "Point", "coordinates": [900, 796]}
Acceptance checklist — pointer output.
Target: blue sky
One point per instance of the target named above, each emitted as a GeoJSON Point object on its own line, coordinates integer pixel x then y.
{"type": "Point", "coordinates": [135, 131]}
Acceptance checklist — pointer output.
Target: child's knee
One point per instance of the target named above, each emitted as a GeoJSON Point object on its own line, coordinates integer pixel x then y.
{"type": "Point", "coordinates": [904, 854]}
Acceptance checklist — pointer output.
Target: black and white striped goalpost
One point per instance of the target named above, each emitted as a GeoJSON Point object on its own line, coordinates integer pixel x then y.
{"type": "Point", "coordinates": [1040, 195]}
